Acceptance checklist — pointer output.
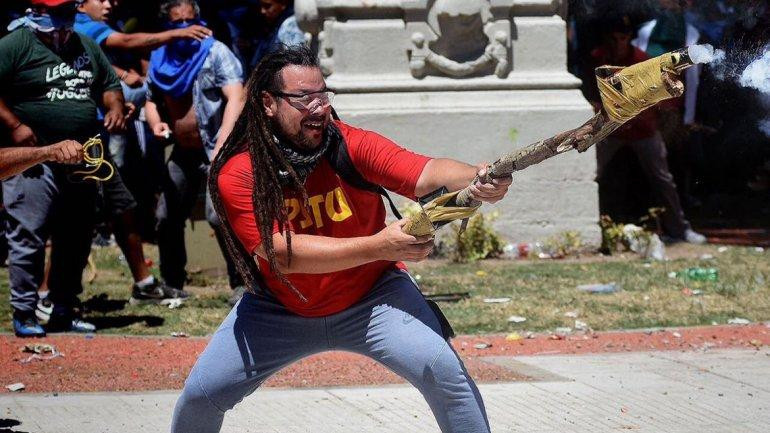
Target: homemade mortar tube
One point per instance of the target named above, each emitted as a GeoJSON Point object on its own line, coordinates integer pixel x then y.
{"type": "Point", "coordinates": [625, 93]}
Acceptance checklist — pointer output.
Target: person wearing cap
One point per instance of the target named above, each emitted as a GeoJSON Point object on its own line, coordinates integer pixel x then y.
{"type": "Point", "coordinates": [51, 82]}
{"type": "Point", "coordinates": [195, 95]}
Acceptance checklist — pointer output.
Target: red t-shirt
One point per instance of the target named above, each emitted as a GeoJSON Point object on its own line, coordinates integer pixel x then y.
{"type": "Point", "coordinates": [336, 210]}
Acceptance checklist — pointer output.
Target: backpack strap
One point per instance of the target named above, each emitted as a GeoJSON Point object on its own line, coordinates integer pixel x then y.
{"type": "Point", "coordinates": [339, 158]}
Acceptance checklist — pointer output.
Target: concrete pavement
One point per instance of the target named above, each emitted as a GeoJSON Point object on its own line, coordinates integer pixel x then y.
{"type": "Point", "coordinates": [725, 390]}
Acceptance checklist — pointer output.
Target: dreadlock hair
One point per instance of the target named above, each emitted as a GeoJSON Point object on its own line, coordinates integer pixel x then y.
{"type": "Point", "coordinates": [254, 133]}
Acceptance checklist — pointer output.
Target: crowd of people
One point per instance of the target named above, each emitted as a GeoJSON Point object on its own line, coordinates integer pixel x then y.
{"type": "Point", "coordinates": [690, 147]}
{"type": "Point", "coordinates": [163, 86]}
{"type": "Point", "coordinates": [260, 152]}
{"type": "Point", "coordinates": [75, 69]}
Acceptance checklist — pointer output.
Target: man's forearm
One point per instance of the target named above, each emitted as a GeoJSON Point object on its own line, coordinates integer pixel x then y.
{"type": "Point", "coordinates": [7, 117]}
{"type": "Point", "coordinates": [120, 72]}
{"type": "Point", "coordinates": [134, 41]}
{"type": "Point", "coordinates": [151, 114]}
{"type": "Point", "coordinates": [319, 254]}
{"type": "Point", "coordinates": [14, 160]}
{"type": "Point", "coordinates": [439, 172]}
{"type": "Point", "coordinates": [233, 109]}
{"type": "Point", "coordinates": [113, 100]}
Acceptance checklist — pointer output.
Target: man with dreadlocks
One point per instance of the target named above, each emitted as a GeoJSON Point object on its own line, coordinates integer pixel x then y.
{"type": "Point", "coordinates": [323, 268]}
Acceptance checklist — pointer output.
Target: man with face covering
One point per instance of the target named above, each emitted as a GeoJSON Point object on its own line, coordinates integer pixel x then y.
{"type": "Point", "coordinates": [324, 270]}
{"type": "Point", "coordinates": [51, 82]}
{"type": "Point", "coordinates": [195, 95]}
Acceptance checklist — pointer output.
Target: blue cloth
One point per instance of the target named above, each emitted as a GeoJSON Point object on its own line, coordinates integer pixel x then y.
{"type": "Point", "coordinates": [175, 66]}
{"type": "Point", "coordinates": [96, 30]}
{"type": "Point", "coordinates": [220, 69]}
{"type": "Point", "coordinates": [40, 22]}
{"type": "Point", "coordinates": [393, 325]}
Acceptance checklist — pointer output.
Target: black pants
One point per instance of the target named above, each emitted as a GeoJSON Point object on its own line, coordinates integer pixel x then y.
{"type": "Point", "coordinates": [187, 170]}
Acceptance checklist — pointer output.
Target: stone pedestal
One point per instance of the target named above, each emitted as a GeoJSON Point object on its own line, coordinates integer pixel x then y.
{"type": "Point", "coordinates": [470, 80]}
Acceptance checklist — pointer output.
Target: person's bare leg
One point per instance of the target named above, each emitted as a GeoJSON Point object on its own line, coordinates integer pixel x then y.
{"type": "Point", "coordinates": [130, 242]}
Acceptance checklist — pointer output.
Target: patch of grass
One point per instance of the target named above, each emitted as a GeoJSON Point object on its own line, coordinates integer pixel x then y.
{"type": "Point", "coordinates": [541, 291]}
{"type": "Point", "coordinates": [106, 301]}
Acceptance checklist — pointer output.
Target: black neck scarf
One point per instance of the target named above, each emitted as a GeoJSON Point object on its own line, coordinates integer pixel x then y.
{"type": "Point", "coordinates": [304, 163]}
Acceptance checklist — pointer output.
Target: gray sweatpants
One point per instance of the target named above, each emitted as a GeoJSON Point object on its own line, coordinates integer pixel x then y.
{"type": "Point", "coordinates": [393, 325]}
{"type": "Point", "coordinates": [43, 203]}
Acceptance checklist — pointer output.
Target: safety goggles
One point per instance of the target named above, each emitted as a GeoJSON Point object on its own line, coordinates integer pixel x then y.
{"type": "Point", "coordinates": [308, 101]}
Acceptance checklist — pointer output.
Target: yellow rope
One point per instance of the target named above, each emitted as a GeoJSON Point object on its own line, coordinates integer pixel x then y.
{"type": "Point", "coordinates": [437, 211]}
{"type": "Point", "coordinates": [96, 161]}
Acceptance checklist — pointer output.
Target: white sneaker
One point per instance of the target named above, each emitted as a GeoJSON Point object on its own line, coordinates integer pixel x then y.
{"type": "Point", "coordinates": [43, 310]}
{"type": "Point", "coordinates": [693, 237]}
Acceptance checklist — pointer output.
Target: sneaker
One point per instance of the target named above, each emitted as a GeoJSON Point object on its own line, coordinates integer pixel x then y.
{"type": "Point", "coordinates": [79, 325]}
{"type": "Point", "coordinates": [693, 237]}
{"type": "Point", "coordinates": [101, 241]}
{"type": "Point", "coordinates": [237, 295]}
{"type": "Point", "coordinates": [64, 320]}
{"type": "Point", "coordinates": [173, 297]}
{"type": "Point", "coordinates": [62, 324]}
{"type": "Point", "coordinates": [44, 310]}
{"type": "Point", "coordinates": [25, 325]}
{"type": "Point", "coordinates": [156, 292]}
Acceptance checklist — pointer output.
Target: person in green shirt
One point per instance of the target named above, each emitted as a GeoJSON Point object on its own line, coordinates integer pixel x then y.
{"type": "Point", "coordinates": [51, 82]}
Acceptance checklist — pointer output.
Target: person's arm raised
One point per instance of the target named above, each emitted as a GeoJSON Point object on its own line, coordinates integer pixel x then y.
{"type": "Point", "coordinates": [150, 41]}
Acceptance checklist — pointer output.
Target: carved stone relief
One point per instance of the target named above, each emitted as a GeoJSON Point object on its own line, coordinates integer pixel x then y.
{"type": "Point", "coordinates": [459, 38]}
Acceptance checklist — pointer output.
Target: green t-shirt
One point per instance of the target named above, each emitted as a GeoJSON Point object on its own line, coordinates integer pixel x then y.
{"type": "Point", "coordinates": [55, 94]}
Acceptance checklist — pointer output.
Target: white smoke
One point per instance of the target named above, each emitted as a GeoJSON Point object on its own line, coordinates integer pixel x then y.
{"type": "Point", "coordinates": [705, 54]}
{"type": "Point", "coordinates": [757, 74]}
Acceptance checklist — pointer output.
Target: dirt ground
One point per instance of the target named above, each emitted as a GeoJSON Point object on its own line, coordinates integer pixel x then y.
{"type": "Point", "coordinates": [120, 363]}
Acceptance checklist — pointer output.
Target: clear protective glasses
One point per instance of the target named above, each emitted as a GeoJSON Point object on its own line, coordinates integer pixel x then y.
{"type": "Point", "coordinates": [308, 101]}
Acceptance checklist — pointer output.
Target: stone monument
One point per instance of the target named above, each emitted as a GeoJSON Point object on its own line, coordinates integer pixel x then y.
{"type": "Point", "coordinates": [470, 80]}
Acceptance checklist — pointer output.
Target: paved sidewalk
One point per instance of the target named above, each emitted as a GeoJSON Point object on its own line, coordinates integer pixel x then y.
{"type": "Point", "coordinates": [726, 390]}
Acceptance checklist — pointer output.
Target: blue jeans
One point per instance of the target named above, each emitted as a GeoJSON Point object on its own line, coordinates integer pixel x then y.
{"type": "Point", "coordinates": [393, 325]}
{"type": "Point", "coordinates": [42, 203]}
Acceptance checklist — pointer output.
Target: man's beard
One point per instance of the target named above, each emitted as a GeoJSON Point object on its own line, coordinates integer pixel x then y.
{"type": "Point", "coordinates": [299, 140]}
{"type": "Point", "coordinates": [304, 159]}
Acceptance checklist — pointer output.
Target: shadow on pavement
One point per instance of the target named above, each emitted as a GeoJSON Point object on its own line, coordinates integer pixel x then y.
{"type": "Point", "coordinates": [6, 424]}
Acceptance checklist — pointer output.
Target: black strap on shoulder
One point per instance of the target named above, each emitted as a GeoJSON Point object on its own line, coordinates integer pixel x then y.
{"type": "Point", "coordinates": [339, 158]}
